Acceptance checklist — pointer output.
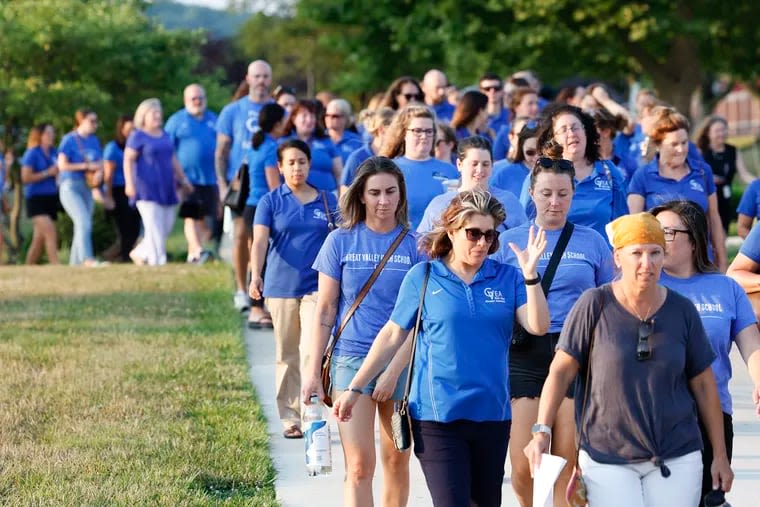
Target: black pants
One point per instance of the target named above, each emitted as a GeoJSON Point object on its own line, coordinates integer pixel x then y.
{"type": "Point", "coordinates": [463, 461]}
{"type": "Point", "coordinates": [726, 208]}
{"type": "Point", "coordinates": [127, 220]}
{"type": "Point", "coordinates": [707, 453]}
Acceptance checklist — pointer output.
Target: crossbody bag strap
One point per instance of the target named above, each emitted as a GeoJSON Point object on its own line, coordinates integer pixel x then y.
{"type": "Point", "coordinates": [559, 250]}
{"type": "Point", "coordinates": [587, 384]}
{"type": "Point", "coordinates": [365, 289]}
{"type": "Point", "coordinates": [330, 222]}
{"type": "Point", "coordinates": [405, 400]}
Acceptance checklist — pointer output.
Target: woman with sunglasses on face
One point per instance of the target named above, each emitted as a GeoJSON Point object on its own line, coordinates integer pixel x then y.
{"type": "Point", "coordinates": [722, 304]}
{"type": "Point", "coordinates": [674, 174]}
{"type": "Point", "coordinates": [458, 400]}
{"type": "Point", "coordinates": [374, 215]}
{"type": "Point", "coordinates": [586, 262]}
{"type": "Point", "coordinates": [326, 163]}
{"type": "Point", "coordinates": [402, 92]}
{"type": "Point", "coordinates": [474, 163]}
{"type": "Point", "coordinates": [642, 362]}
{"type": "Point", "coordinates": [471, 116]}
{"type": "Point", "coordinates": [510, 174]}
{"type": "Point", "coordinates": [409, 142]}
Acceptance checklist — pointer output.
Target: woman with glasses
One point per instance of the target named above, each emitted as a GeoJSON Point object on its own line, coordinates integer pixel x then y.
{"type": "Point", "coordinates": [377, 123]}
{"type": "Point", "coordinates": [585, 263]}
{"type": "Point", "coordinates": [673, 174]}
{"type": "Point", "coordinates": [642, 362]}
{"type": "Point", "coordinates": [458, 400]}
{"type": "Point", "coordinates": [402, 92]}
{"type": "Point", "coordinates": [326, 163]}
{"type": "Point", "coordinates": [339, 124]}
{"type": "Point", "coordinates": [474, 163]}
{"type": "Point", "coordinates": [409, 142]}
{"type": "Point", "coordinates": [471, 116]}
{"type": "Point", "coordinates": [510, 174]}
{"type": "Point", "coordinates": [722, 305]}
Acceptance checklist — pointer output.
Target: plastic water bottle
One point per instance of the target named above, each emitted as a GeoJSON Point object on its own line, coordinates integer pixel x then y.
{"type": "Point", "coordinates": [317, 439]}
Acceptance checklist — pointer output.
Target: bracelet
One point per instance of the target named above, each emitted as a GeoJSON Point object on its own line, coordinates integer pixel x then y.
{"type": "Point", "coordinates": [533, 281]}
{"type": "Point", "coordinates": [354, 390]}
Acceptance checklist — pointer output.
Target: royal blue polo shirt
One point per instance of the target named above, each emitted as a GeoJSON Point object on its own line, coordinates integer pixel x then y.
{"type": "Point", "coordinates": [36, 159]}
{"type": "Point", "coordinates": [349, 143]}
{"type": "Point", "coordinates": [512, 207]}
{"type": "Point", "coordinates": [353, 162]}
{"type": "Point", "coordinates": [194, 143]}
{"type": "Point", "coordinates": [296, 233]}
{"type": "Point", "coordinates": [258, 160]}
{"type": "Point", "coordinates": [461, 364]}
{"type": "Point", "coordinates": [656, 189]}
{"type": "Point", "coordinates": [239, 120]}
{"type": "Point", "coordinates": [78, 149]}
{"type": "Point", "coordinates": [509, 175]}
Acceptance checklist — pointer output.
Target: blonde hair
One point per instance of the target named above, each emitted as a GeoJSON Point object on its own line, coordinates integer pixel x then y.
{"type": "Point", "coordinates": [394, 145]}
{"type": "Point", "coordinates": [373, 121]}
{"type": "Point", "coordinates": [143, 109]}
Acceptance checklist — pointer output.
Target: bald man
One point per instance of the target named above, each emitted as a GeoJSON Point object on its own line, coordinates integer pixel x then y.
{"type": "Point", "coordinates": [237, 123]}
{"type": "Point", "coordinates": [434, 86]}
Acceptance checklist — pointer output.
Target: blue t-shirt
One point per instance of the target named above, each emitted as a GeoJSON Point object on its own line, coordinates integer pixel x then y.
{"type": "Point", "coordinates": [501, 144]}
{"type": "Point", "coordinates": [323, 151]}
{"type": "Point", "coordinates": [349, 143]}
{"type": "Point", "coordinates": [461, 366]}
{"type": "Point", "coordinates": [296, 233]}
{"type": "Point", "coordinates": [155, 173]}
{"type": "Point", "coordinates": [195, 143]}
{"type": "Point", "coordinates": [444, 111]}
{"type": "Point", "coordinates": [78, 149]}
{"type": "Point", "coordinates": [114, 153]}
{"type": "Point", "coordinates": [750, 202]}
{"type": "Point", "coordinates": [353, 162]}
{"type": "Point", "coordinates": [36, 159]}
{"type": "Point", "coordinates": [513, 208]}
{"type": "Point", "coordinates": [350, 256]}
{"type": "Point", "coordinates": [423, 182]}
{"type": "Point", "coordinates": [258, 160]}
{"type": "Point", "coordinates": [599, 198]}
{"type": "Point", "coordinates": [502, 119]}
{"type": "Point", "coordinates": [239, 120]}
{"type": "Point", "coordinates": [696, 186]}
{"type": "Point", "coordinates": [586, 263]}
{"type": "Point", "coordinates": [509, 175]}
{"type": "Point", "coordinates": [751, 245]}
{"type": "Point", "coordinates": [725, 311]}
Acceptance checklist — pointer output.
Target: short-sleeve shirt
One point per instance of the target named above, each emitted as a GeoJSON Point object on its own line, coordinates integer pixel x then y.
{"type": "Point", "coordinates": [509, 176]}
{"type": "Point", "coordinates": [349, 143]}
{"type": "Point", "coordinates": [78, 149]}
{"type": "Point", "coordinates": [512, 207]}
{"type": "Point", "coordinates": [195, 144]}
{"type": "Point", "coordinates": [637, 410]}
{"type": "Point", "coordinates": [258, 160]}
{"type": "Point", "coordinates": [423, 182]}
{"type": "Point", "coordinates": [725, 311]}
{"type": "Point", "coordinates": [461, 366]}
{"type": "Point", "coordinates": [353, 162]}
{"type": "Point", "coordinates": [751, 245]}
{"type": "Point", "coordinates": [115, 153]}
{"type": "Point", "coordinates": [239, 120]}
{"type": "Point", "coordinates": [323, 152]}
{"type": "Point", "coordinates": [350, 256]}
{"type": "Point", "coordinates": [296, 233]}
{"type": "Point", "coordinates": [750, 202]}
{"type": "Point", "coordinates": [696, 186]}
{"type": "Point", "coordinates": [155, 173]}
{"type": "Point", "coordinates": [585, 264]}
{"type": "Point", "coordinates": [36, 159]}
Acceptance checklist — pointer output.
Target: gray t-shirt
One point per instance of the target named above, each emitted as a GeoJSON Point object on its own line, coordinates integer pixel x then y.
{"type": "Point", "coordinates": [637, 410]}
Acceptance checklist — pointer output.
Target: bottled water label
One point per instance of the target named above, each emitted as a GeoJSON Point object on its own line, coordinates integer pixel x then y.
{"type": "Point", "coordinates": [317, 440]}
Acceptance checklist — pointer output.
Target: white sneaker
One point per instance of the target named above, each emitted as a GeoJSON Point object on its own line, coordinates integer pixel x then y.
{"type": "Point", "coordinates": [241, 301]}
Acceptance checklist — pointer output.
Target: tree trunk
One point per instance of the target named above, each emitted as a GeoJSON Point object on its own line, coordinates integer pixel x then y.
{"type": "Point", "coordinates": [680, 75]}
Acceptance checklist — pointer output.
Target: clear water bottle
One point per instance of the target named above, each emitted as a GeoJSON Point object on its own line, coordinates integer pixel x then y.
{"type": "Point", "coordinates": [317, 438]}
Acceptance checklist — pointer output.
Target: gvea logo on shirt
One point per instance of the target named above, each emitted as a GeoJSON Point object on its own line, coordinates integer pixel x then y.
{"type": "Point", "coordinates": [252, 123]}
{"type": "Point", "coordinates": [697, 186]}
{"type": "Point", "coordinates": [602, 183]}
{"type": "Point", "coordinates": [318, 145]}
{"type": "Point", "coordinates": [493, 295]}
{"type": "Point", "coordinates": [320, 215]}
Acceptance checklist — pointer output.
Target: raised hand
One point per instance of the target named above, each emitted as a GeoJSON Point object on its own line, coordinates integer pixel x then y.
{"type": "Point", "coordinates": [528, 258]}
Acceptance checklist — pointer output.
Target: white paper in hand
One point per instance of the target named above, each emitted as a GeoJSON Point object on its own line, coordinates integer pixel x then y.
{"type": "Point", "coordinates": [544, 477]}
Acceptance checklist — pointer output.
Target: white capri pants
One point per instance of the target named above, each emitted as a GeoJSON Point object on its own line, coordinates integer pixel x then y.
{"type": "Point", "coordinates": [158, 221]}
{"type": "Point", "coordinates": [642, 484]}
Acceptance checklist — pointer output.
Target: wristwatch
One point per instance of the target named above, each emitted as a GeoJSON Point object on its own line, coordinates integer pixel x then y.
{"type": "Point", "coordinates": [541, 428]}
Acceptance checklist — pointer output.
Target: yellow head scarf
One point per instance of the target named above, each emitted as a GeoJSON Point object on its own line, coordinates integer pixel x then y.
{"type": "Point", "coordinates": [639, 229]}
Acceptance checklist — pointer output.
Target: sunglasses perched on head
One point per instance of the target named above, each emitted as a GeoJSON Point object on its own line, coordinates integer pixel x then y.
{"type": "Point", "coordinates": [643, 350]}
{"type": "Point", "coordinates": [555, 163]}
{"type": "Point", "coordinates": [474, 235]}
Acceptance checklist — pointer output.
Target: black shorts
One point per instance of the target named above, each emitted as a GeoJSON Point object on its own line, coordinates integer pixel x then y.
{"type": "Point", "coordinates": [208, 197]}
{"type": "Point", "coordinates": [42, 205]}
{"type": "Point", "coordinates": [248, 213]}
{"type": "Point", "coordinates": [529, 366]}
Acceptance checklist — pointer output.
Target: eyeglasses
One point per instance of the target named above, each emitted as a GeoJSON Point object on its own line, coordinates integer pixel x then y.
{"type": "Point", "coordinates": [494, 88]}
{"type": "Point", "coordinates": [199, 99]}
{"type": "Point", "coordinates": [335, 116]}
{"type": "Point", "coordinates": [474, 235]}
{"type": "Point", "coordinates": [568, 128]}
{"type": "Point", "coordinates": [555, 163]}
{"type": "Point", "coordinates": [421, 132]}
{"type": "Point", "coordinates": [530, 153]}
{"type": "Point", "coordinates": [670, 233]}
{"type": "Point", "coordinates": [643, 350]}
{"type": "Point", "coordinates": [412, 96]}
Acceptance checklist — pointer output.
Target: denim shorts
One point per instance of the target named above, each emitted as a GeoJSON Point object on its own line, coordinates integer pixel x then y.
{"type": "Point", "coordinates": [344, 368]}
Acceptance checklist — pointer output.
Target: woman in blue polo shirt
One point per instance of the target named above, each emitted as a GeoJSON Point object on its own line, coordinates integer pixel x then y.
{"type": "Point", "coordinates": [585, 263]}
{"type": "Point", "coordinates": [373, 216]}
{"type": "Point", "coordinates": [326, 164]}
{"type": "Point", "coordinates": [409, 142]}
{"type": "Point", "coordinates": [38, 172]}
{"type": "Point", "coordinates": [459, 401]}
{"type": "Point", "coordinates": [292, 221]}
{"type": "Point", "coordinates": [723, 307]}
{"type": "Point", "coordinates": [672, 174]}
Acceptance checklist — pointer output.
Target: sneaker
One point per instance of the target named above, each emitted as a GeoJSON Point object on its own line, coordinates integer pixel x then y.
{"type": "Point", "coordinates": [242, 301]}
{"type": "Point", "coordinates": [205, 256]}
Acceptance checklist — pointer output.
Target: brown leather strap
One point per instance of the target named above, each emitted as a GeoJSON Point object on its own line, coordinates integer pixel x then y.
{"type": "Point", "coordinates": [365, 289]}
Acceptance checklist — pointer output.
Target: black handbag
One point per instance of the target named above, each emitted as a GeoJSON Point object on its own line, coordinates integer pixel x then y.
{"type": "Point", "coordinates": [400, 424]}
{"type": "Point", "coordinates": [238, 191]}
{"type": "Point", "coordinates": [519, 334]}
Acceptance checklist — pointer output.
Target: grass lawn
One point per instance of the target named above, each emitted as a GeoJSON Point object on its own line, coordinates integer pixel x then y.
{"type": "Point", "coordinates": [127, 386]}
